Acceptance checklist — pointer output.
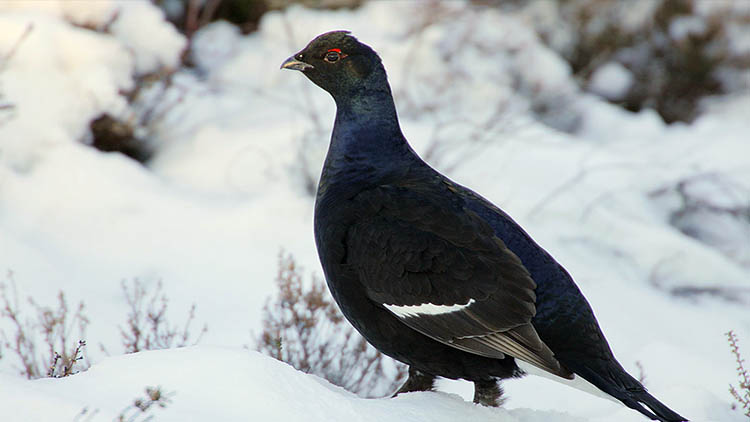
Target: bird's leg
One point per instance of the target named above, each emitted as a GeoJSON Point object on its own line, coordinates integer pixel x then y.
{"type": "Point", "coordinates": [488, 393]}
{"type": "Point", "coordinates": [417, 381]}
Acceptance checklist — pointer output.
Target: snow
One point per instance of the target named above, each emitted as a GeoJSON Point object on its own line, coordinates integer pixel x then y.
{"type": "Point", "coordinates": [612, 81]}
{"type": "Point", "coordinates": [236, 140]}
{"type": "Point", "coordinates": [243, 386]}
{"type": "Point", "coordinates": [683, 27]}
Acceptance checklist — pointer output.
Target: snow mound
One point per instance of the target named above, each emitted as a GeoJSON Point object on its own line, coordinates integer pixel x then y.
{"type": "Point", "coordinates": [215, 384]}
{"type": "Point", "coordinates": [59, 66]}
{"type": "Point", "coordinates": [612, 81]}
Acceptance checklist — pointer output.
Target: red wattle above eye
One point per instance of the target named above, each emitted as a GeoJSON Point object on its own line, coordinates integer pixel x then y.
{"type": "Point", "coordinates": [337, 50]}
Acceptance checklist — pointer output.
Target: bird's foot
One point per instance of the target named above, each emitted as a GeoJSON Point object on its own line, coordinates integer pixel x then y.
{"type": "Point", "coordinates": [488, 393]}
{"type": "Point", "coordinates": [417, 381]}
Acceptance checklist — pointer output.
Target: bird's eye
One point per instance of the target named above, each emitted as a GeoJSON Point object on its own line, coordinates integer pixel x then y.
{"type": "Point", "coordinates": [332, 56]}
{"type": "Point", "coordinates": [299, 56]}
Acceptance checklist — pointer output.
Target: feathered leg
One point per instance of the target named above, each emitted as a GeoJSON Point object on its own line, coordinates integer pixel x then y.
{"type": "Point", "coordinates": [488, 393]}
{"type": "Point", "coordinates": [417, 381]}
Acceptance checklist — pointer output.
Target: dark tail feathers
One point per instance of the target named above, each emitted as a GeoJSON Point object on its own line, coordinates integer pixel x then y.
{"type": "Point", "coordinates": [637, 399]}
{"type": "Point", "coordinates": [613, 380]}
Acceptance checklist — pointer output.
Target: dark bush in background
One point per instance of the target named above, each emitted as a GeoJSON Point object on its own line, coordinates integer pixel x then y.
{"type": "Point", "coordinates": [189, 15]}
{"type": "Point", "coordinates": [676, 52]}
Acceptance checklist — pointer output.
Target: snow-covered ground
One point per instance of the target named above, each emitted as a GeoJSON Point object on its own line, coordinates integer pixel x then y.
{"type": "Point", "coordinates": [243, 386]}
{"type": "Point", "coordinates": [235, 142]}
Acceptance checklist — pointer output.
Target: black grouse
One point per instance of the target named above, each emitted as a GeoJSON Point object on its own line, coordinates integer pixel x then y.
{"type": "Point", "coordinates": [431, 273]}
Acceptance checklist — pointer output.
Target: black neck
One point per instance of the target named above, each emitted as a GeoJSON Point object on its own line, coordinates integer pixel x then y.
{"type": "Point", "coordinates": [367, 143]}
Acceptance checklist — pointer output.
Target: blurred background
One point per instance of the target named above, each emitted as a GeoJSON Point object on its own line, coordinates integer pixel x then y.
{"type": "Point", "coordinates": [158, 174]}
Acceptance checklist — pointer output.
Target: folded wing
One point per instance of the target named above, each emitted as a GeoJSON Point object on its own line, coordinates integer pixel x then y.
{"type": "Point", "coordinates": [441, 270]}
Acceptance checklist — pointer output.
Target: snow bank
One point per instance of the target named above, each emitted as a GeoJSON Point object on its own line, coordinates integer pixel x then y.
{"type": "Point", "coordinates": [61, 74]}
{"type": "Point", "coordinates": [205, 384]}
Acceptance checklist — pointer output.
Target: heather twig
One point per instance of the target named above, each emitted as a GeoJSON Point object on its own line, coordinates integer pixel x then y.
{"type": "Point", "coordinates": [58, 371]}
{"type": "Point", "coordinates": [5, 58]}
{"type": "Point", "coordinates": [641, 372]}
{"type": "Point", "coordinates": [137, 411]}
{"type": "Point", "coordinates": [741, 392]}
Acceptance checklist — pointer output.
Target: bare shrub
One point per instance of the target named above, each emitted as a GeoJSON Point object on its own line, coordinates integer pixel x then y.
{"type": "Point", "coordinates": [674, 52]}
{"type": "Point", "coordinates": [304, 328]}
{"type": "Point", "coordinates": [188, 16]}
{"type": "Point", "coordinates": [137, 411]}
{"type": "Point", "coordinates": [133, 131]}
{"type": "Point", "coordinates": [130, 131]}
{"type": "Point", "coordinates": [147, 326]}
{"type": "Point", "coordinates": [59, 368]}
{"type": "Point", "coordinates": [741, 392]}
{"type": "Point", "coordinates": [44, 343]}
{"type": "Point", "coordinates": [110, 134]}
{"type": "Point", "coordinates": [86, 415]}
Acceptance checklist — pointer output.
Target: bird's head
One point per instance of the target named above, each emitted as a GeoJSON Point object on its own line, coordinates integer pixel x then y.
{"type": "Point", "coordinates": [338, 63]}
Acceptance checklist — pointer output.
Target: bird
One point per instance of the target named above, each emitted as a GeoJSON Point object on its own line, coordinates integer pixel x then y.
{"type": "Point", "coordinates": [431, 273]}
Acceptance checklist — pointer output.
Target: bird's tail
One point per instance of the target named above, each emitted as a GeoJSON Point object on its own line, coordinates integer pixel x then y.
{"type": "Point", "coordinates": [613, 380]}
{"type": "Point", "coordinates": [659, 411]}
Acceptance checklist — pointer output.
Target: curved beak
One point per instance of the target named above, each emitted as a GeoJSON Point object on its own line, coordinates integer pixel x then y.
{"type": "Point", "coordinates": [294, 64]}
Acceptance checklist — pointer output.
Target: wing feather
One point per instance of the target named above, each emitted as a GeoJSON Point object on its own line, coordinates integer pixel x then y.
{"type": "Point", "coordinates": [415, 245]}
